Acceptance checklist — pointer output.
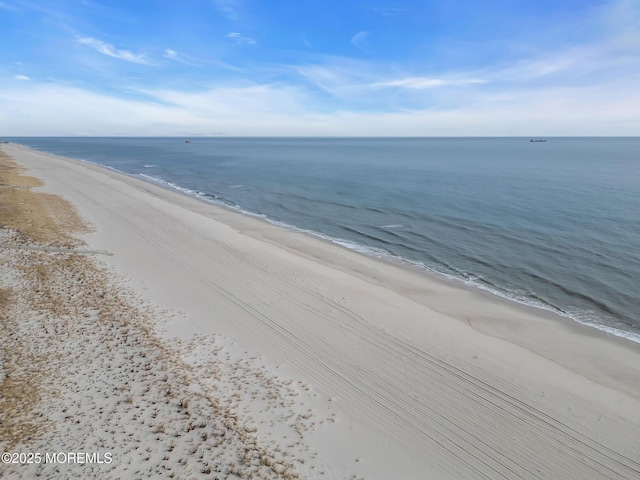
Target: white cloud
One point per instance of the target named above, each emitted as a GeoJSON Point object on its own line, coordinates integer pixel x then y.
{"type": "Point", "coordinates": [111, 51]}
{"type": "Point", "coordinates": [621, 19]}
{"type": "Point", "coordinates": [284, 110]}
{"type": "Point", "coordinates": [581, 89]}
{"type": "Point", "coordinates": [389, 11]}
{"type": "Point", "coordinates": [332, 78]}
{"type": "Point", "coordinates": [185, 59]}
{"type": "Point", "coordinates": [240, 39]}
{"type": "Point", "coordinates": [420, 83]}
{"type": "Point", "coordinates": [228, 7]}
{"type": "Point", "coordinates": [359, 83]}
{"type": "Point", "coordinates": [21, 77]}
{"type": "Point", "coordinates": [359, 40]}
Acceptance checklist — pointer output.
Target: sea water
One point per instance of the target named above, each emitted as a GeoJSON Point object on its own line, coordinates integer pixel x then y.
{"type": "Point", "coordinates": [552, 224]}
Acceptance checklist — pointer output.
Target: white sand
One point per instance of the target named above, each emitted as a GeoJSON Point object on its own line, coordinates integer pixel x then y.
{"type": "Point", "coordinates": [376, 371]}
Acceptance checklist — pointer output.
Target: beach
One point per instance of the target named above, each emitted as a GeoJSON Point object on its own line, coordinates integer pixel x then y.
{"type": "Point", "coordinates": [289, 356]}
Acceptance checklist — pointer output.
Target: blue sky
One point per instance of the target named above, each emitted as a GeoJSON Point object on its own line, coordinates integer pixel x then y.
{"type": "Point", "coordinates": [312, 67]}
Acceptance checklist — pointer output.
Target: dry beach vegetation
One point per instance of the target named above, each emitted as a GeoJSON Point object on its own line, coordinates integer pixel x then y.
{"type": "Point", "coordinates": [82, 370]}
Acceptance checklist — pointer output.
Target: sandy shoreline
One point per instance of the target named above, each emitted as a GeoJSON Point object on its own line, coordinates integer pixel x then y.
{"type": "Point", "coordinates": [386, 373]}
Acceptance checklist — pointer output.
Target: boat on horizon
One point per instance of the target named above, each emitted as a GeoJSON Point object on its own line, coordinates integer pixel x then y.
{"type": "Point", "coordinates": [536, 140]}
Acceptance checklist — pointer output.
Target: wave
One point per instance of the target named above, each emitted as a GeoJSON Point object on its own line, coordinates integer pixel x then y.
{"type": "Point", "coordinates": [204, 196]}
{"type": "Point", "coordinates": [288, 196]}
{"type": "Point", "coordinates": [436, 266]}
{"type": "Point", "coordinates": [451, 273]}
{"type": "Point", "coordinates": [166, 183]}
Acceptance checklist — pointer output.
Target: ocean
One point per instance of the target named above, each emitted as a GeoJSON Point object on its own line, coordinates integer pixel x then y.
{"type": "Point", "coordinates": [554, 225]}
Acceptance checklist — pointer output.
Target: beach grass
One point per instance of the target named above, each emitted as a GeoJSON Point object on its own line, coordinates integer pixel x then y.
{"type": "Point", "coordinates": [38, 217]}
{"type": "Point", "coordinates": [81, 368]}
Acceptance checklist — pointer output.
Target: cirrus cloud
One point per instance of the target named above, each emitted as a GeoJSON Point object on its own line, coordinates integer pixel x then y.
{"type": "Point", "coordinates": [111, 51]}
{"type": "Point", "coordinates": [419, 83]}
{"type": "Point", "coordinates": [240, 39]}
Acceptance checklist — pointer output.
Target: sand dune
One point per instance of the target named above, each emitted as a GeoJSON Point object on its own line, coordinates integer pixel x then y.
{"type": "Point", "coordinates": [335, 365]}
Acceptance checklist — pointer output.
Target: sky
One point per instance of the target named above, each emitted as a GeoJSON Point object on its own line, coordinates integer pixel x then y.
{"type": "Point", "coordinates": [320, 67]}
